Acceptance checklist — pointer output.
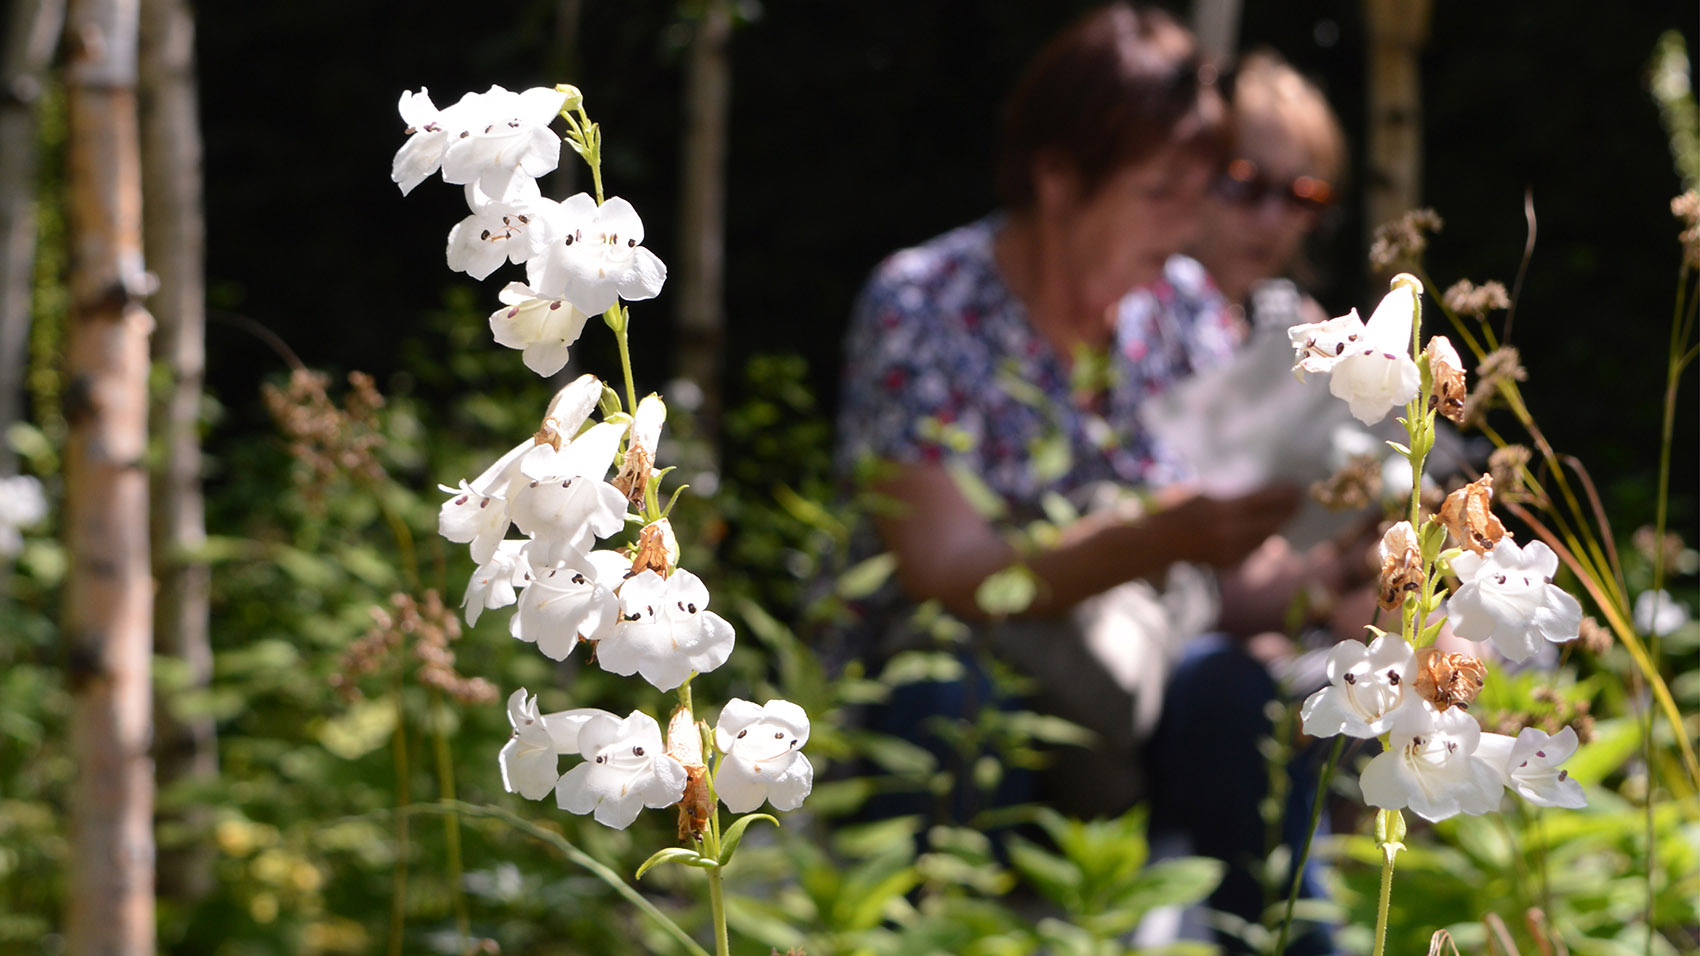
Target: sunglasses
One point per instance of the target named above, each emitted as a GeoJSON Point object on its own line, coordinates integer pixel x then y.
{"type": "Point", "coordinates": [1244, 184]}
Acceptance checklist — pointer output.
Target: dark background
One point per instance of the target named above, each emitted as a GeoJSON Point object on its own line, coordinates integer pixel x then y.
{"type": "Point", "coordinates": [860, 127]}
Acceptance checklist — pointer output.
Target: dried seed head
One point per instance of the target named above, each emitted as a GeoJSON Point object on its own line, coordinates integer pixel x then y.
{"type": "Point", "coordinates": [1506, 466]}
{"type": "Point", "coordinates": [1686, 208]}
{"type": "Point", "coordinates": [1595, 637]}
{"type": "Point", "coordinates": [1466, 513]}
{"type": "Point", "coordinates": [1466, 298]}
{"type": "Point", "coordinates": [1356, 485]}
{"type": "Point", "coordinates": [1403, 241]}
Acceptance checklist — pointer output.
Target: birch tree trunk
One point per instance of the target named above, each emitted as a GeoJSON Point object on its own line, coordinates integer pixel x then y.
{"type": "Point", "coordinates": [174, 236]}
{"type": "Point", "coordinates": [1397, 30]}
{"type": "Point", "coordinates": [32, 34]}
{"type": "Point", "coordinates": [702, 213]}
{"type": "Point", "coordinates": [109, 588]}
{"type": "Point", "coordinates": [1216, 23]}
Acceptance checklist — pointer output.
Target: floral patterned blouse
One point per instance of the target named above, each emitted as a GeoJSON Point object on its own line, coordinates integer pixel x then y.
{"type": "Point", "coordinates": [943, 365]}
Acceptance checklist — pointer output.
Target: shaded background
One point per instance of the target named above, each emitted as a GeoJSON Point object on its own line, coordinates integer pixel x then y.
{"type": "Point", "coordinates": [861, 127]}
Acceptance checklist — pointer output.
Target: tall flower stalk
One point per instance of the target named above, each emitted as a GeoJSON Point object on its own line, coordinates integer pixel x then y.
{"type": "Point", "coordinates": [578, 480]}
{"type": "Point", "coordinates": [1412, 696]}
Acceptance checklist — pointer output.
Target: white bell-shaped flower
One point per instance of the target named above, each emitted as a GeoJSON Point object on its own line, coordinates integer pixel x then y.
{"type": "Point", "coordinates": [542, 328]}
{"type": "Point", "coordinates": [666, 630]}
{"type": "Point", "coordinates": [511, 228]}
{"type": "Point", "coordinates": [530, 759]}
{"type": "Point", "coordinates": [1656, 612]}
{"type": "Point", "coordinates": [626, 768]}
{"type": "Point", "coordinates": [764, 760]}
{"type": "Point", "coordinates": [572, 601]}
{"type": "Point", "coordinates": [1507, 596]}
{"type": "Point", "coordinates": [1369, 365]}
{"type": "Point", "coordinates": [427, 136]}
{"type": "Point", "coordinates": [1367, 687]}
{"type": "Point", "coordinates": [493, 583]}
{"type": "Point", "coordinates": [477, 511]}
{"type": "Point", "coordinates": [1431, 766]}
{"type": "Point", "coordinates": [1528, 764]}
{"type": "Point", "coordinates": [596, 256]}
{"type": "Point", "coordinates": [567, 504]}
{"type": "Point", "coordinates": [22, 504]}
{"type": "Point", "coordinates": [505, 136]}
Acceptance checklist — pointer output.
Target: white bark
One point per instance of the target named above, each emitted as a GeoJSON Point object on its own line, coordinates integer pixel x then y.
{"type": "Point", "coordinates": [174, 235]}
{"type": "Point", "coordinates": [1397, 30]}
{"type": "Point", "coordinates": [107, 623]}
{"type": "Point", "coordinates": [702, 213]}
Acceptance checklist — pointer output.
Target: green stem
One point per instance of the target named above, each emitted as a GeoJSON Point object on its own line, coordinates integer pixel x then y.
{"type": "Point", "coordinates": [451, 821]}
{"type": "Point", "coordinates": [398, 877]}
{"type": "Point", "coordinates": [574, 855]}
{"type": "Point", "coordinates": [1322, 782]}
{"type": "Point", "coordinates": [621, 336]}
{"type": "Point", "coordinates": [1388, 852]}
{"type": "Point", "coordinates": [717, 903]}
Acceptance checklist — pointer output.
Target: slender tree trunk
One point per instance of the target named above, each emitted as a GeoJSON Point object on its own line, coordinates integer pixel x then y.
{"type": "Point", "coordinates": [174, 235]}
{"type": "Point", "coordinates": [32, 33]}
{"type": "Point", "coordinates": [1398, 30]}
{"type": "Point", "coordinates": [1216, 23]}
{"type": "Point", "coordinates": [109, 589]}
{"type": "Point", "coordinates": [702, 213]}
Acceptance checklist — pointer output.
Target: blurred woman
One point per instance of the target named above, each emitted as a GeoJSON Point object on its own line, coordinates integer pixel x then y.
{"type": "Point", "coordinates": [1004, 357]}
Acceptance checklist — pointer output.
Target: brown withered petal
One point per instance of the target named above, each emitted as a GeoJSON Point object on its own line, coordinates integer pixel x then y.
{"type": "Point", "coordinates": [1448, 680]}
{"type": "Point", "coordinates": [1401, 566]}
{"type": "Point", "coordinates": [633, 476]}
{"type": "Point", "coordinates": [1448, 376]}
{"type": "Point", "coordinates": [657, 550]}
{"type": "Point", "coordinates": [1467, 515]}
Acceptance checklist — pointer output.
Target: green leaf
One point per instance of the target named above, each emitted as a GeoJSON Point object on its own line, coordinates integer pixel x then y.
{"type": "Point", "coordinates": [735, 834]}
{"type": "Point", "coordinates": [366, 726]}
{"type": "Point", "coordinates": [1058, 510]}
{"type": "Point", "coordinates": [672, 854]}
{"type": "Point", "coordinates": [1007, 592]}
{"type": "Point", "coordinates": [979, 495]}
{"type": "Point", "coordinates": [1401, 449]}
{"type": "Point", "coordinates": [865, 577]}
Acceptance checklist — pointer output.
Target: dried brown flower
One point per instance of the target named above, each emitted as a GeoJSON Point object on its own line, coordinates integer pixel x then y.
{"type": "Point", "coordinates": [657, 550]}
{"type": "Point", "coordinates": [1403, 240]}
{"type": "Point", "coordinates": [684, 744]}
{"type": "Point", "coordinates": [1401, 566]}
{"type": "Point", "coordinates": [1668, 550]}
{"type": "Point", "coordinates": [1447, 373]}
{"type": "Point", "coordinates": [1356, 485]}
{"type": "Point", "coordinates": [1686, 208]}
{"type": "Point", "coordinates": [1448, 680]}
{"type": "Point", "coordinates": [1466, 298]}
{"type": "Point", "coordinates": [1467, 514]}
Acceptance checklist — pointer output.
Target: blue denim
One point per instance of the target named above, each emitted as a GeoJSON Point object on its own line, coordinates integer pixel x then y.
{"type": "Point", "coordinates": [1208, 777]}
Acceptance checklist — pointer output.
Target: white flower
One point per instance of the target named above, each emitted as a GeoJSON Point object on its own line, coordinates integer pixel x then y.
{"type": "Point", "coordinates": [477, 511]}
{"type": "Point", "coordinates": [764, 760]}
{"type": "Point", "coordinates": [596, 256]}
{"type": "Point", "coordinates": [626, 768]}
{"type": "Point", "coordinates": [1656, 612]}
{"type": "Point", "coordinates": [1528, 764]}
{"type": "Point", "coordinates": [530, 757]}
{"type": "Point", "coordinates": [562, 604]}
{"type": "Point", "coordinates": [1431, 766]}
{"type": "Point", "coordinates": [501, 135]}
{"type": "Point", "coordinates": [510, 227]}
{"type": "Point", "coordinates": [427, 136]}
{"type": "Point", "coordinates": [542, 327]}
{"type": "Point", "coordinates": [1369, 366]}
{"type": "Point", "coordinates": [1507, 596]}
{"type": "Point", "coordinates": [1368, 686]}
{"type": "Point", "coordinates": [666, 630]}
{"type": "Point", "coordinates": [567, 504]}
{"type": "Point", "coordinates": [22, 504]}
{"type": "Point", "coordinates": [493, 582]}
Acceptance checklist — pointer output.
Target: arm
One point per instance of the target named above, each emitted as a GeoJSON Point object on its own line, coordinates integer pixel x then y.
{"type": "Point", "coordinates": [945, 548]}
